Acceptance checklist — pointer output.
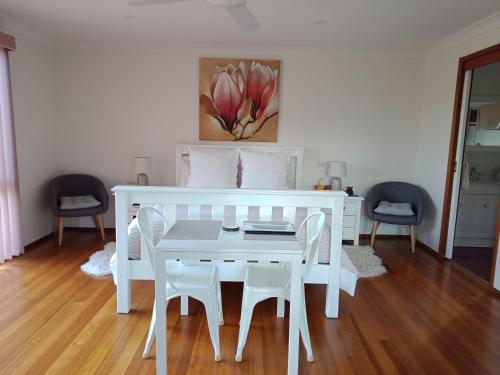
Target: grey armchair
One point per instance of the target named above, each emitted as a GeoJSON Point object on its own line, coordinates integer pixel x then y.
{"type": "Point", "coordinates": [395, 192]}
{"type": "Point", "coordinates": [72, 185]}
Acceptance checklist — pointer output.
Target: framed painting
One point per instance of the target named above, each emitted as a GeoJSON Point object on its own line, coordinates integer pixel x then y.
{"type": "Point", "coordinates": [239, 99]}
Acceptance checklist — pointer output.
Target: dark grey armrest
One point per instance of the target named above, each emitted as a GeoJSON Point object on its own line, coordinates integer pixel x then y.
{"type": "Point", "coordinates": [101, 195]}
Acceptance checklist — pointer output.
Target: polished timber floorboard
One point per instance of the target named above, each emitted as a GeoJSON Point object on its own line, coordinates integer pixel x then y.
{"type": "Point", "coordinates": [423, 317]}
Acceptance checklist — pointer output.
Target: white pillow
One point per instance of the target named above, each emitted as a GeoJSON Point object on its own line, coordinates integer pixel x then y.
{"type": "Point", "coordinates": [264, 170]}
{"type": "Point", "coordinates": [78, 201]}
{"type": "Point", "coordinates": [213, 169]}
{"type": "Point", "coordinates": [396, 209]}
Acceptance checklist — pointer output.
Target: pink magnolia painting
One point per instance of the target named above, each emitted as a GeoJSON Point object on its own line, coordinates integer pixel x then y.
{"type": "Point", "coordinates": [239, 99]}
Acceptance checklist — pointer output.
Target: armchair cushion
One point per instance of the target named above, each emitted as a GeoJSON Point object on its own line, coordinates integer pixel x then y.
{"type": "Point", "coordinates": [396, 209]}
{"type": "Point", "coordinates": [78, 201]}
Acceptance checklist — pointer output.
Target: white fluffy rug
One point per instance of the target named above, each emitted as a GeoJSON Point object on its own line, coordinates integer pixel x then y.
{"type": "Point", "coordinates": [362, 257]}
{"type": "Point", "coordinates": [98, 264]}
{"type": "Point", "coordinates": [365, 261]}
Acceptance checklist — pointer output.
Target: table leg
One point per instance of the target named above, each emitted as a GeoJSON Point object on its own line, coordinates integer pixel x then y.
{"type": "Point", "coordinates": [295, 311]}
{"type": "Point", "coordinates": [280, 308]}
{"type": "Point", "coordinates": [184, 305]}
{"type": "Point", "coordinates": [123, 290]}
{"type": "Point", "coordinates": [161, 317]}
{"type": "Point", "coordinates": [333, 287]}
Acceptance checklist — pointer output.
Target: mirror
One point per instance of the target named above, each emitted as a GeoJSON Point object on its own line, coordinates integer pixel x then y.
{"type": "Point", "coordinates": [484, 107]}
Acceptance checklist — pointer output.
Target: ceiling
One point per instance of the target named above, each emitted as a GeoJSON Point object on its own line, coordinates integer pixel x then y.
{"type": "Point", "coordinates": [353, 24]}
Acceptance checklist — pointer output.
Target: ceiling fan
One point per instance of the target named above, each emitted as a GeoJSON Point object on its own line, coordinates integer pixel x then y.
{"type": "Point", "coordinates": [236, 9]}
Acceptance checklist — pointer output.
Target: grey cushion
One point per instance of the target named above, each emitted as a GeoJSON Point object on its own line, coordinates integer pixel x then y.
{"type": "Point", "coordinates": [78, 201]}
{"type": "Point", "coordinates": [397, 209]}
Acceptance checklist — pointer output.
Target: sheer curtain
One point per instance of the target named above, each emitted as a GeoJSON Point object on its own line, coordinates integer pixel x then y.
{"type": "Point", "coordinates": [10, 217]}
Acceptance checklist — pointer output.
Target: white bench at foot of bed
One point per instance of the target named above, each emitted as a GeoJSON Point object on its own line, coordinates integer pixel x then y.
{"type": "Point", "coordinates": [170, 197]}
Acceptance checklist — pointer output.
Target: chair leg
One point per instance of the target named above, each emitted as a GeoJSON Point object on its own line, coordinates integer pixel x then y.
{"type": "Point", "coordinates": [374, 232]}
{"type": "Point", "coordinates": [245, 319]}
{"type": "Point", "coordinates": [96, 223]}
{"type": "Point", "coordinates": [100, 226]}
{"type": "Point", "coordinates": [219, 305]}
{"type": "Point", "coordinates": [151, 334]}
{"type": "Point", "coordinates": [56, 226]}
{"type": "Point", "coordinates": [304, 330]}
{"type": "Point", "coordinates": [211, 309]}
{"type": "Point", "coordinates": [412, 238]}
{"type": "Point", "coordinates": [60, 230]}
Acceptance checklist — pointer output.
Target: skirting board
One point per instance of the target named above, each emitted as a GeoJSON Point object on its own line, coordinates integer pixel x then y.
{"type": "Point", "coordinates": [47, 237]}
{"type": "Point", "coordinates": [419, 245]}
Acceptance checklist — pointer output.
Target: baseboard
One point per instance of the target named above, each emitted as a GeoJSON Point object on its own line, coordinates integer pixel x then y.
{"type": "Point", "coordinates": [495, 292]}
{"type": "Point", "coordinates": [89, 229]}
{"type": "Point", "coordinates": [385, 236]}
{"type": "Point", "coordinates": [38, 242]}
{"type": "Point", "coordinates": [49, 236]}
{"type": "Point", "coordinates": [429, 250]}
{"type": "Point", "coordinates": [419, 245]}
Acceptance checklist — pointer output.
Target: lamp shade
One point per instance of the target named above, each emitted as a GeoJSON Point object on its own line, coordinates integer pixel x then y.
{"type": "Point", "coordinates": [337, 169]}
{"type": "Point", "coordinates": [143, 165]}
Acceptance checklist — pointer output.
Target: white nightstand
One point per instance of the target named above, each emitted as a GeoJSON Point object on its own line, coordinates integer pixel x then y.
{"type": "Point", "coordinates": [132, 211]}
{"type": "Point", "coordinates": [352, 218]}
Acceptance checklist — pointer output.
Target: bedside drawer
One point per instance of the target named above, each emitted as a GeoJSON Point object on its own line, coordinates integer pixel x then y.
{"type": "Point", "coordinates": [349, 221]}
{"type": "Point", "coordinates": [348, 233]}
{"type": "Point", "coordinates": [349, 208]}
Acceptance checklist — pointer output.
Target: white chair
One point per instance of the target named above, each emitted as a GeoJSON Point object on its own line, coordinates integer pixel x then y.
{"type": "Point", "coordinates": [273, 281]}
{"type": "Point", "coordinates": [198, 282]}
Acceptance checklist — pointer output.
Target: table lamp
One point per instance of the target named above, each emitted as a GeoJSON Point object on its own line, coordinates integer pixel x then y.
{"type": "Point", "coordinates": [336, 170]}
{"type": "Point", "coordinates": [142, 167]}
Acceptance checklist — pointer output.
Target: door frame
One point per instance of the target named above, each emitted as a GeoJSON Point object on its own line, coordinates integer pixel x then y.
{"type": "Point", "coordinates": [475, 60]}
{"type": "Point", "coordinates": [458, 162]}
{"type": "Point", "coordinates": [495, 264]}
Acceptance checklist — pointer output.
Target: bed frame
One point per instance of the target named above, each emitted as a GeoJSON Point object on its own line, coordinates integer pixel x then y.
{"type": "Point", "coordinates": [217, 199]}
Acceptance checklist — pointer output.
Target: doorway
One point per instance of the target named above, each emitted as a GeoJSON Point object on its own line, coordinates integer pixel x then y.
{"type": "Point", "coordinates": [479, 191]}
{"type": "Point", "coordinates": [472, 197]}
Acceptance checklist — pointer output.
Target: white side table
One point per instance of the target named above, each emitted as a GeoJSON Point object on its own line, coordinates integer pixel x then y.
{"type": "Point", "coordinates": [352, 218]}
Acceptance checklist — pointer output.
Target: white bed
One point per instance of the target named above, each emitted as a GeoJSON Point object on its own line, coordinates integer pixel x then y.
{"type": "Point", "coordinates": [138, 269]}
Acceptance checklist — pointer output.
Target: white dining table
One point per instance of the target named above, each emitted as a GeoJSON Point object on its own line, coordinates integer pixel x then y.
{"type": "Point", "coordinates": [229, 246]}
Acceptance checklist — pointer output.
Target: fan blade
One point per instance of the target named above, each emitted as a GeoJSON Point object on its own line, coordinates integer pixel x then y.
{"type": "Point", "coordinates": [243, 18]}
{"type": "Point", "coordinates": [141, 3]}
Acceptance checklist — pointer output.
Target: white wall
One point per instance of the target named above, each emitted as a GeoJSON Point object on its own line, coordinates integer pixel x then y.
{"type": "Point", "coordinates": [359, 107]}
{"type": "Point", "coordinates": [437, 108]}
{"type": "Point", "coordinates": [33, 89]}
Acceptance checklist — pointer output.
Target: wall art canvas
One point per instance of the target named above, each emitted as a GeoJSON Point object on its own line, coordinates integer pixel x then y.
{"type": "Point", "coordinates": [239, 99]}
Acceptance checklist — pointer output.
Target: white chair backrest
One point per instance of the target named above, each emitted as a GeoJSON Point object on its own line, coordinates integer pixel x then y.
{"type": "Point", "coordinates": [145, 223]}
{"type": "Point", "coordinates": [317, 223]}
{"type": "Point", "coordinates": [311, 248]}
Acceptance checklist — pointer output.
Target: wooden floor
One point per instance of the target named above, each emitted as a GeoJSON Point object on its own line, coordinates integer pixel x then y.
{"type": "Point", "coordinates": [424, 317]}
{"type": "Point", "coordinates": [475, 259]}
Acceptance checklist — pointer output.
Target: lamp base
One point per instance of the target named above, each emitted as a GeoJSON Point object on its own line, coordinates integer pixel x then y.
{"type": "Point", "coordinates": [336, 183]}
{"type": "Point", "coordinates": [142, 179]}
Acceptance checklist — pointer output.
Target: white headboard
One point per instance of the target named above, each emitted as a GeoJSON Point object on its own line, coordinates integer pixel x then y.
{"type": "Point", "coordinates": [296, 155]}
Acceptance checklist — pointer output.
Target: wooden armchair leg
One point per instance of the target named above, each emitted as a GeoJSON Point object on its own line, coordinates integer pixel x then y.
{"type": "Point", "coordinates": [56, 226]}
{"type": "Point", "coordinates": [96, 223]}
{"type": "Point", "coordinates": [100, 225]}
{"type": "Point", "coordinates": [374, 231]}
{"type": "Point", "coordinates": [60, 230]}
{"type": "Point", "coordinates": [412, 238]}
